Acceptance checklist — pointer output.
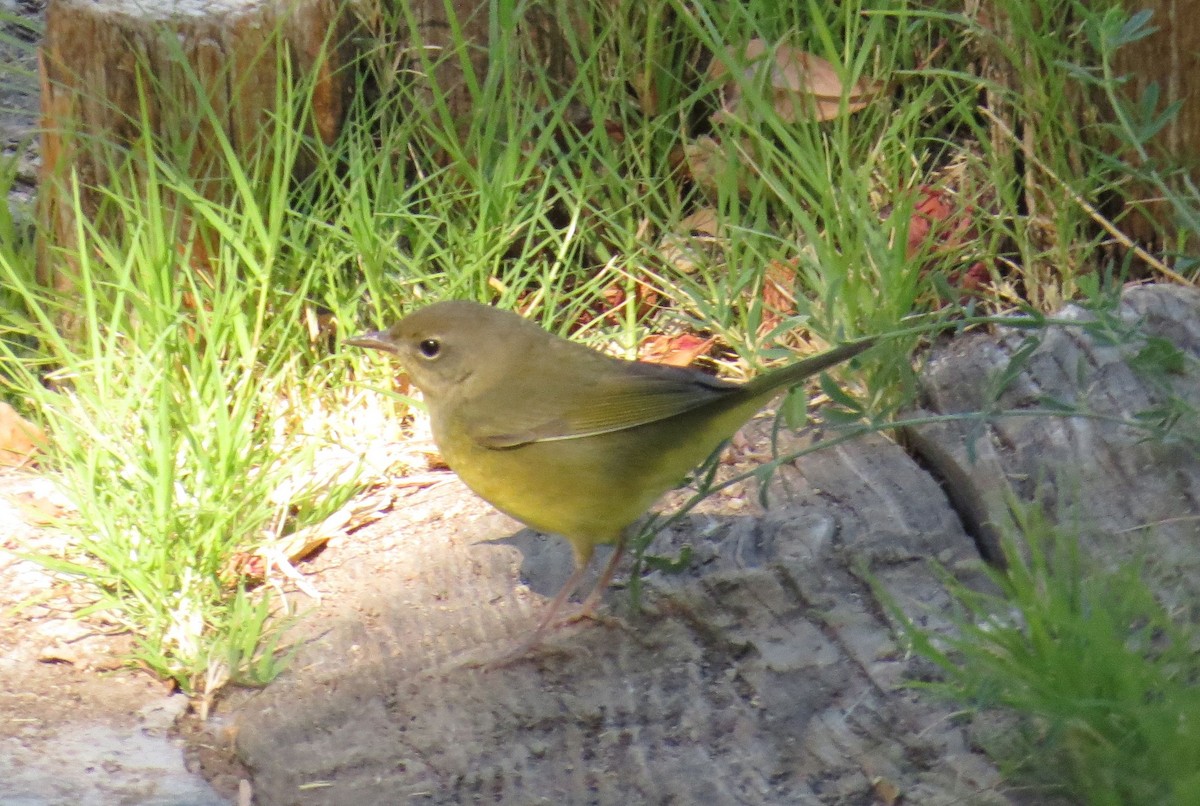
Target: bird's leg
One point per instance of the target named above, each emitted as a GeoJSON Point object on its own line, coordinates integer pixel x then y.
{"type": "Point", "coordinates": [523, 646]}
{"type": "Point", "coordinates": [559, 600]}
{"type": "Point", "coordinates": [593, 598]}
{"type": "Point", "coordinates": [535, 637]}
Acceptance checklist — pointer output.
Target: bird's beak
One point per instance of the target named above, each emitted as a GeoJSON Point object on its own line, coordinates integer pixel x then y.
{"type": "Point", "coordinates": [375, 339]}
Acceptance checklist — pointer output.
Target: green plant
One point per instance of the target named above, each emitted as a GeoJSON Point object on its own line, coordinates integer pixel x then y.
{"type": "Point", "coordinates": [169, 386]}
{"type": "Point", "coordinates": [1102, 679]}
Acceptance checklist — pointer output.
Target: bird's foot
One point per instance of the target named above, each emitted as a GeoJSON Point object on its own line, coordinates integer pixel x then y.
{"type": "Point", "coordinates": [588, 614]}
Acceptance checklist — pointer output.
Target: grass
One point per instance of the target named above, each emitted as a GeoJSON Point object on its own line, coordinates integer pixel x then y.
{"type": "Point", "coordinates": [174, 413]}
{"type": "Point", "coordinates": [1099, 676]}
{"type": "Point", "coordinates": [198, 416]}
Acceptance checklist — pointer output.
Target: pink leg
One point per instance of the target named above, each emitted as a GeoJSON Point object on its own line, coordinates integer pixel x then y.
{"type": "Point", "coordinates": [535, 638]}
{"type": "Point", "coordinates": [593, 598]}
{"type": "Point", "coordinates": [559, 600]}
{"type": "Point", "coordinates": [589, 605]}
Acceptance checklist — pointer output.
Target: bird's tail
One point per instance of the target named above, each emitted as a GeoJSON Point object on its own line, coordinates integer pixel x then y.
{"type": "Point", "coordinates": [794, 374]}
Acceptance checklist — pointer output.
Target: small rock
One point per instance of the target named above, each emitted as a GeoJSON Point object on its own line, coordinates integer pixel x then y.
{"type": "Point", "coordinates": [58, 653]}
{"type": "Point", "coordinates": [159, 716]}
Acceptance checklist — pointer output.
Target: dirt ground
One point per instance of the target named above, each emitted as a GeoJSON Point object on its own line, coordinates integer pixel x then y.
{"type": "Point", "coordinates": [76, 727]}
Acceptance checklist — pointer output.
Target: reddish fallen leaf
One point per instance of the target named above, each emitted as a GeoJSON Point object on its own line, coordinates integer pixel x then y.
{"type": "Point", "coordinates": [942, 223]}
{"type": "Point", "coordinates": [973, 279]}
{"type": "Point", "coordinates": [939, 216]}
{"type": "Point", "coordinates": [778, 293]}
{"type": "Point", "coordinates": [244, 566]}
{"type": "Point", "coordinates": [676, 351]}
{"type": "Point", "coordinates": [615, 131]}
{"type": "Point", "coordinates": [615, 296]}
{"type": "Point", "coordinates": [958, 217]}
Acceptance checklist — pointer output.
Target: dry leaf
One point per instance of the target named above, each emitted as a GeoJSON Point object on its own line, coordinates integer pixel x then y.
{"type": "Point", "coordinates": [942, 217]}
{"type": "Point", "coordinates": [803, 86]}
{"type": "Point", "coordinates": [36, 511]}
{"type": "Point", "coordinates": [942, 223]}
{"type": "Point", "coordinates": [694, 243]}
{"type": "Point", "coordinates": [59, 652]}
{"type": "Point", "coordinates": [702, 222]}
{"type": "Point", "coordinates": [319, 322]}
{"type": "Point", "coordinates": [778, 293]}
{"type": "Point", "coordinates": [613, 297]}
{"type": "Point", "coordinates": [19, 438]}
{"type": "Point", "coordinates": [886, 791]}
{"type": "Point", "coordinates": [779, 286]}
{"type": "Point", "coordinates": [974, 278]}
{"type": "Point", "coordinates": [299, 545]}
{"type": "Point", "coordinates": [675, 351]}
{"type": "Point", "coordinates": [707, 164]}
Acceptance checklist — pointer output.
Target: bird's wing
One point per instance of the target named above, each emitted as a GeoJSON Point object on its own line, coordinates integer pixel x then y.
{"type": "Point", "coordinates": [631, 394]}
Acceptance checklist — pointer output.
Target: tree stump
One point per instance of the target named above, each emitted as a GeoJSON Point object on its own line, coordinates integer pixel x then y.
{"type": "Point", "coordinates": [1169, 57]}
{"type": "Point", "coordinates": [126, 81]}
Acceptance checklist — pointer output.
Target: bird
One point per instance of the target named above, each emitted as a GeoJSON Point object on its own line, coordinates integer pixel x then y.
{"type": "Point", "coordinates": [568, 440]}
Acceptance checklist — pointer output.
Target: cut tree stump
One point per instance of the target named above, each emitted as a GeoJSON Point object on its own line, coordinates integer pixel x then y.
{"type": "Point", "coordinates": [1167, 58]}
{"type": "Point", "coordinates": [185, 77]}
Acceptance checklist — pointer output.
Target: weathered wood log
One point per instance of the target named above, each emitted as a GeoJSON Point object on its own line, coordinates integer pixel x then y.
{"type": "Point", "coordinates": [193, 77]}
{"type": "Point", "coordinates": [1168, 57]}
{"type": "Point", "coordinates": [436, 43]}
{"type": "Point", "coordinates": [766, 673]}
{"type": "Point", "coordinates": [1098, 473]}
{"type": "Point", "coordinates": [770, 670]}
{"type": "Point", "coordinates": [443, 48]}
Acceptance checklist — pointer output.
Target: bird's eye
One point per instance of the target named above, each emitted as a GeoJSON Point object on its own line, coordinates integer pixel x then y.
{"type": "Point", "coordinates": [430, 348]}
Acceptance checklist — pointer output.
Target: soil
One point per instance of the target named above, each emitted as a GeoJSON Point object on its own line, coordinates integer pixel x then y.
{"type": "Point", "coordinates": [77, 727]}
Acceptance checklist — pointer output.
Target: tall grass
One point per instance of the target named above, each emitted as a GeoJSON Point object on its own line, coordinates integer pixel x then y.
{"type": "Point", "coordinates": [175, 389]}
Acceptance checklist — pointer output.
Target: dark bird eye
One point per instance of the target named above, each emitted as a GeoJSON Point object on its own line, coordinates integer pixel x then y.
{"type": "Point", "coordinates": [430, 348]}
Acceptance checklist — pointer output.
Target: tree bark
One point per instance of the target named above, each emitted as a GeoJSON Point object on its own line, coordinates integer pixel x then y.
{"type": "Point", "coordinates": [187, 79]}
{"type": "Point", "coordinates": [1170, 58]}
